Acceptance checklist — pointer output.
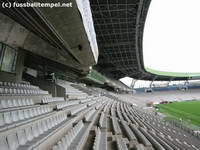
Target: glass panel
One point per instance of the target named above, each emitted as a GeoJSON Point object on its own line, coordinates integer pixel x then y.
{"type": "Point", "coordinates": [1, 53]}
{"type": "Point", "coordinates": [8, 60]}
{"type": "Point", "coordinates": [14, 63]}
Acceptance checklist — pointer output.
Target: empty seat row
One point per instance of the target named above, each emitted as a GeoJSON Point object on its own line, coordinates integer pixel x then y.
{"type": "Point", "coordinates": [103, 121]}
{"type": "Point", "coordinates": [24, 138]}
{"type": "Point", "coordinates": [91, 103]}
{"type": "Point", "coordinates": [67, 103]}
{"type": "Point", "coordinates": [52, 99]}
{"type": "Point", "coordinates": [115, 123]}
{"type": "Point", "coordinates": [140, 136]}
{"type": "Point", "coordinates": [17, 91]}
{"type": "Point", "coordinates": [96, 144]}
{"type": "Point", "coordinates": [89, 114]}
{"type": "Point", "coordinates": [13, 118]}
{"type": "Point", "coordinates": [66, 141]}
{"type": "Point", "coordinates": [129, 132]}
{"type": "Point", "coordinates": [113, 113]}
{"type": "Point", "coordinates": [121, 145]}
{"type": "Point", "coordinates": [85, 100]}
{"type": "Point", "coordinates": [100, 142]}
{"type": "Point", "coordinates": [9, 103]}
{"type": "Point", "coordinates": [77, 109]}
{"type": "Point", "coordinates": [13, 84]}
{"type": "Point", "coordinates": [126, 117]}
{"type": "Point", "coordinates": [160, 141]}
{"type": "Point", "coordinates": [62, 105]}
{"type": "Point", "coordinates": [139, 147]}
{"type": "Point", "coordinates": [152, 140]}
{"type": "Point", "coordinates": [119, 115]}
{"type": "Point", "coordinates": [98, 106]}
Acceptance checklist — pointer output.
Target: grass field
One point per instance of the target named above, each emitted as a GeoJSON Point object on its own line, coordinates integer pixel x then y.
{"type": "Point", "coordinates": [189, 111]}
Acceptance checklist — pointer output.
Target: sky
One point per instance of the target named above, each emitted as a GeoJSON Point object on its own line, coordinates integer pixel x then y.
{"type": "Point", "coordinates": [171, 40]}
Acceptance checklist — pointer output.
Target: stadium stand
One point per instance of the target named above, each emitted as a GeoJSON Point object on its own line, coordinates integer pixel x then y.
{"type": "Point", "coordinates": [35, 120]}
{"type": "Point", "coordinates": [60, 87]}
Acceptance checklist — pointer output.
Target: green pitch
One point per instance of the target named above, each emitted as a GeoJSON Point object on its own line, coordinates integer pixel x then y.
{"type": "Point", "coordinates": [189, 111]}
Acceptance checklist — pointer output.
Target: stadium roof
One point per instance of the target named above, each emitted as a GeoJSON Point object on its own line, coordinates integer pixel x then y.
{"type": "Point", "coordinates": [119, 26]}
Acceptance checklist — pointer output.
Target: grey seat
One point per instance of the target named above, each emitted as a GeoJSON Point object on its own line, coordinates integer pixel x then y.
{"type": "Point", "coordinates": [24, 102]}
{"type": "Point", "coordinates": [26, 114]}
{"type": "Point", "coordinates": [7, 117]}
{"type": "Point", "coordinates": [20, 102]}
{"type": "Point", "coordinates": [35, 130]}
{"type": "Point", "coordinates": [10, 103]}
{"type": "Point", "coordinates": [14, 116]}
{"type": "Point", "coordinates": [2, 122]}
{"type": "Point", "coordinates": [15, 103]}
{"type": "Point", "coordinates": [52, 122]}
{"type": "Point", "coordinates": [31, 112]}
{"type": "Point", "coordinates": [39, 110]}
{"type": "Point", "coordinates": [49, 125]}
{"type": "Point", "coordinates": [4, 103]}
{"type": "Point", "coordinates": [42, 109]}
{"type": "Point", "coordinates": [3, 143]}
{"type": "Point", "coordinates": [35, 111]}
{"type": "Point", "coordinates": [31, 102]}
{"type": "Point", "coordinates": [21, 137]}
{"type": "Point", "coordinates": [44, 125]}
{"type": "Point", "coordinates": [55, 147]}
{"type": "Point", "coordinates": [27, 102]}
{"type": "Point", "coordinates": [29, 133]}
{"type": "Point", "coordinates": [12, 141]}
{"type": "Point", "coordinates": [64, 142]}
{"type": "Point", "coordinates": [21, 114]}
{"type": "Point", "coordinates": [40, 127]}
{"type": "Point", "coordinates": [60, 145]}
{"type": "Point", "coordinates": [1, 90]}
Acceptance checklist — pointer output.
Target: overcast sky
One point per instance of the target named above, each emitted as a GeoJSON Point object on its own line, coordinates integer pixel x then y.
{"type": "Point", "coordinates": [171, 39]}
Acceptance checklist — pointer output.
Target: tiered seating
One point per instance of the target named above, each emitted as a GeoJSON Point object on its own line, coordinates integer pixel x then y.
{"type": "Point", "coordinates": [52, 99]}
{"type": "Point", "coordinates": [103, 121]}
{"type": "Point", "coordinates": [66, 103]}
{"type": "Point", "coordinates": [70, 91]}
{"type": "Point", "coordinates": [10, 88]}
{"type": "Point", "coordinates": [10, 103]}
{"type": "Point", "coordinates": [67, 140]}
{"type": "Point", "coordinates": [77, 109]}
{"type": "Point", "coordinates": [115, 123]}
{"type": "Point", "coordinates": [121, 145]}
{"type": "Point", "coordinates": [15, 118]}
{"type": "Point", "coordinates": [31, 121]}
{"type": "Point", "coordinates": [89, 115]}
{"type": "Point", "coordinates": [140, 136]}
{"type": "Point", "coordinates": [25, 136]}
{"type": "Point", "coordinates": [100, 142]}
{"type": "Point", "coordinates": [129, 132]}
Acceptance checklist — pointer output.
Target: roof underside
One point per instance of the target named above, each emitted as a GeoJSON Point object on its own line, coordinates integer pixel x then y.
{"type": "Point", "coordinates": [119, 28]}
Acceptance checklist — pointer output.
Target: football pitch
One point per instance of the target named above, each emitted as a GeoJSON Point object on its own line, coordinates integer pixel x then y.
{"type": "Point", "coordinates": [188, 111]}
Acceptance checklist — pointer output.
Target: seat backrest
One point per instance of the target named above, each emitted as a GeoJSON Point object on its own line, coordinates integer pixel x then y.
{"type": "Point", "coordinates": [14, 116]}
{"type": "Point", "coordinates": [4, 103]}
{"type": "Point", "coordinates": [21, 137]}
{"type": "Point", "coordinates": [3, 143]}
{"type": "Point", "coordinates": [35, 130]}
{"type": "Point", "coordinates": [29, 133]}
{"type": "Point", "coordinates": [12, 141]}
{"type": "Point", "coordinates": [7, 118]}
